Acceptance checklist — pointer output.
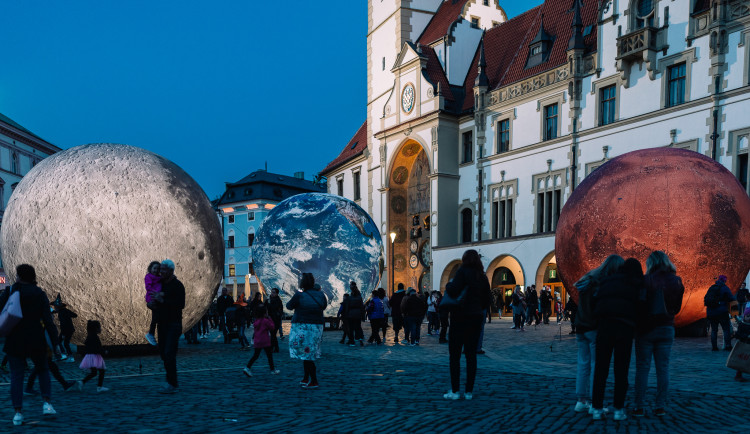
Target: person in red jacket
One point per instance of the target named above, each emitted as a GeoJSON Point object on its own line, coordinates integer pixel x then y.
{"type": "Point", "coordinates": [263, 326]}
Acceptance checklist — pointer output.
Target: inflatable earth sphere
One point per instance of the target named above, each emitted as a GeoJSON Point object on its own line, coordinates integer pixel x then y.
{"type": "Point", "coordinates": [90, 220]}
{"type": "Point", "coordinates": [326, 235]}
{"type": "Point", "coordinates": [674, 200]}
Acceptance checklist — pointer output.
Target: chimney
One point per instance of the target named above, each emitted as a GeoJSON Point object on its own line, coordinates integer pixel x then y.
{"type": "Point", "coordinates": [299, 175]}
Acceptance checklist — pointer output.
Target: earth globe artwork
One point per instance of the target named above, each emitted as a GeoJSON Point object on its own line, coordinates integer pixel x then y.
{"type": "Point", "coordinates": [323, 234]}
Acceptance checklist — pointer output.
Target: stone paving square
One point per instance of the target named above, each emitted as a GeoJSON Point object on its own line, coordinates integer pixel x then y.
{"type": "Point", "coordinates": [525, 384]}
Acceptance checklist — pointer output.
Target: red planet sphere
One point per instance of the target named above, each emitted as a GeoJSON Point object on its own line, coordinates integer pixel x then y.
{"type": "Point", "coordinates": [674, 200]}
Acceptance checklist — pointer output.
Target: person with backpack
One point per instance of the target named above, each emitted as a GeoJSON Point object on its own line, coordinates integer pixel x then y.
{"type": "Point", "coordinates": [717, 301]}
{"type": "Point", "coordinates": [662, 298]}
{"type": "Point", "coordinates": [586, 326]}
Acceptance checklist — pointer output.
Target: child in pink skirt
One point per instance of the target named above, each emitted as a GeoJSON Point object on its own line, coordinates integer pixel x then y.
{"type": "Point", "coordinates": [93, 360]}
{"type": "Point", "coordinates": [262, 327]}
{"type": "Point", "coordinates": [153, 292]}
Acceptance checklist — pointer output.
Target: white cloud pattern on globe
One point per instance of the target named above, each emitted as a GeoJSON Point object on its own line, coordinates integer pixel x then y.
{"type": "Point", "coordinates": [323, 234]}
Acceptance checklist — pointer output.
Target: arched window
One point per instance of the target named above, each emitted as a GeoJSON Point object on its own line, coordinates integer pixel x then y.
{"type": "Point", "coordinates": [644, 13]}
{"type": "Point", "coordinates": [466, 225]}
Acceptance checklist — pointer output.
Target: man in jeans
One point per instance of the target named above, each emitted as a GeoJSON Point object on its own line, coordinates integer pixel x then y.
{"type": "Point", "coordinates": [169, 322]}
{"type": "Point", "coordinates": [719, 314]}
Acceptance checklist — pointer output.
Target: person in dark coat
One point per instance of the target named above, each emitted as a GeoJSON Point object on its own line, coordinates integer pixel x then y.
{"type": "Point", "coordinates": [466, 322]}
{"type": "Point", "coordinates": [354, 311]}
{"type": "Point", "coordinates": [532, 302]}
{"type": "Point", "coordinates": [615, 308]}
{"type": "Point", "coordinates": [412, 308]}
{"type": "Point", "coordinates": [65, 317]}
{"type": "Point", "coordinates": [222, 304]}
{"type": "Point", "coordinates": [398, 318]}
{"type": "Point", "coordinates": [169, 323]}
{"type": "Point", "coordinates": [27, 339]}
{"type": "Point", "coordinates": [718, 315]}
{"type": "Point", "coordinates": [275, 312]}
{"type": "Point", "coordinates": [545, 302]}
{"type": "Point", "coordinates": [662, 294]}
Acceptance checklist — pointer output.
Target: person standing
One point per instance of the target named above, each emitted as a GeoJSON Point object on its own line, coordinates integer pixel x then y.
{"type": "Point", "coordinates": [27, 340]}
{"type": "Point", "coordinates": [275, 312]}
{"type": "Point", "coordinates": [532, 301]}
{"type": "Point", "coordinates": [411, 308]}
{"type": "Point", "coordinates": [240, 319]}
{"type": "Point", "coordinates": [615, 308]}
{"type": "Point", "coordinates": [444, 324]}
{"type": "Point", "coordinates": [354, 311]}
{"type": "Point", "coordinates": [222, 304]}
{"type": "Point", "coordinates": [717, 301]}
{"type": "Point", "coordinates": [518, 305]}
{"type": "Point", "coordinates": [586, 325]}
{"type": "Point", "coordinates": [398, 318]}
{"type": "Point", "coordinates": [375, 313]}
{"type": "Point", "coordinates": [306, 334]}
{"type": "Point", "coordinates": [545, 301]}
{"type": "Point", "coordinates": [386, 311]}
{"type": "Point", "coordinates": [743, 295]}
{"type": "Point", "coordinates": [169, 322]}
{"type": "Point", "coordinates": [655, 332]}
{"type": "Point", "coordinates": [466, 322]}
{"type": "Point", "coordinates": [433, 320]}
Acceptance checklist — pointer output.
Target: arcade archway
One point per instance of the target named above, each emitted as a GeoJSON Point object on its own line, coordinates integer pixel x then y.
{"type": "Point", "coordinates": [548, 276]}
{"type": "Point", "coordinates": [448, 273]}
{"type": "Point", "coordinates": [409, 216]}
{"type": "Point", "coordinates": [504, 273]}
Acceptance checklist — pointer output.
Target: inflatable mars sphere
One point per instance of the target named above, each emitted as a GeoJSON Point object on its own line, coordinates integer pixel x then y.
{"type": "Point", "coordinates": [674, 200]}
{"type": "Point", "coordinates": [91, 218]}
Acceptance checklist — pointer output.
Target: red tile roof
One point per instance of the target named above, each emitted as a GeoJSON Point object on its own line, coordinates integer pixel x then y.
{"type": "Point", "coordinates": [353, 149]}
{"type": "Point", "coordinates": [506, 46]}
{"type": "Point", "coordinates": [447, 13]}
{"type": "Point", "coordinates": [435, 72]}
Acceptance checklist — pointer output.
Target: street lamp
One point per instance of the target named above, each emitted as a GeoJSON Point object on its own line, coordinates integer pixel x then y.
{"type": "Point", "coordinates": [393, 262]}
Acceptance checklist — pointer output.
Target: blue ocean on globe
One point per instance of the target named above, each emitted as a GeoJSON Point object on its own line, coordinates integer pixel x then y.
{"type": "Point", "coordinates": [323, 234]}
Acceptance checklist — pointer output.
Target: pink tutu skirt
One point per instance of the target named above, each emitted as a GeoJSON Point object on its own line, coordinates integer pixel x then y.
{"type": "Point", "coordinates": [93, 361]}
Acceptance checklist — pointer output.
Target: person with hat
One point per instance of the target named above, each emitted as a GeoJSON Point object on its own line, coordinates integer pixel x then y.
{"type": "Point", "coordinates": [65, 317]}
{"type": "Point", "coordinates": [717, 301]}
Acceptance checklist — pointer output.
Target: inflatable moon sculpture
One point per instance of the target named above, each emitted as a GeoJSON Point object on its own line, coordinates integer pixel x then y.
{"type": "Point", "coordinates": [674, 200]}
{"type": "Point", "coordinates": [91, 218]}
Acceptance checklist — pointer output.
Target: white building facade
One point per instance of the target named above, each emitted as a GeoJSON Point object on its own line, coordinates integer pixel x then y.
{"type": "Point", "coordinates": [479, 128]}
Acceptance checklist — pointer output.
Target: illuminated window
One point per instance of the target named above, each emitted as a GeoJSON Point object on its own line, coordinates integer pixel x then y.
{"type": "Point", "coordinates": [231, 270]}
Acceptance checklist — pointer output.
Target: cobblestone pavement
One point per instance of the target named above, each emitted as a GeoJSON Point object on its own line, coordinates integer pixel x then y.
{"type": "Point", "coordinates": [525, 383]}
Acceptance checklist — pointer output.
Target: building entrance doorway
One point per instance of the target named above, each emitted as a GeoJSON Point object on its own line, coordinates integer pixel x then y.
{"type": "Point", "coordinates": [502, 284]}
{"type": "Point", "coordinates": [551, 279]}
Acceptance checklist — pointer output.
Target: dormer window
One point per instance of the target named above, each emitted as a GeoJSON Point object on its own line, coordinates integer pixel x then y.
{"type": "Point", "coordinates": [644, 14]}
{"type": "Point", "coordinates": [475, 22]}
{"type": "Point", "coordinates": [540, 47]}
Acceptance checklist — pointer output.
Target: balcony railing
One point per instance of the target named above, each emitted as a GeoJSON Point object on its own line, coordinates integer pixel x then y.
{"type": "Point", "coordinates": [632, 45]}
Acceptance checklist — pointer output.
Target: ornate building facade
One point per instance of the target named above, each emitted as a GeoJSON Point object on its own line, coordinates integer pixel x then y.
{"type": "Point", "coordinates": [479, 128]}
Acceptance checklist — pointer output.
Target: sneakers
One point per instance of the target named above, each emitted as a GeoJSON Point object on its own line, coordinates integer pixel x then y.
{"type": "Point", "coordinates": [275, 371]}
{"type": "Point", "coordinates": [596, 414]}
{"type": "Point", "coordinates": [638, 412]}
{"type": "Point", "coordinates": [168, 389]}
{"type": "Point", "coordinates": [79, 385]}
{"type": "Point", "coordinates": [18, 419]}
{"type": "Point", "coordinates": [100, 389]}
{"type": "Point", "coordinates": [468, 396]}
{"type": "Point", "coordinates": [47, 409]}
{"type": "Point", "coordinates": [620, 414]}
{"type": "Point", "coordinates": [63, 357]}
{"type": "Point", "coordinates": [311, 385]}
{"type": "Point", "coordinates": [581, 406]}
{"type": "Point", "coordinates": [247, 372]}
{"type": "Point", "coordinates": [660, 412]}
{"type": "Point", "coordinates": [304, 382]}
{"type": "Point", "coordinates": [404, 342]}
{"type": "Point", "coordinates": [151, 339]}
{"type": "Point", "coordinates": [452, 396]}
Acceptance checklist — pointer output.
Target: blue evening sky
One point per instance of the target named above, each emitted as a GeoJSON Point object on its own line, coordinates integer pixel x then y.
{"type": "Point", "coordinates": [220, 88]}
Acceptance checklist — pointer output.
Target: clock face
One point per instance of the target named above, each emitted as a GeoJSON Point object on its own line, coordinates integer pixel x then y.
{"type": "Point", "coordinates": [413, 246]}
{"type": "Point", "coordinates": [424, 254]}
{"type": "Point", "coordinates": [407, 98]}
{"type": "Point", "coordinates": [413, 261]}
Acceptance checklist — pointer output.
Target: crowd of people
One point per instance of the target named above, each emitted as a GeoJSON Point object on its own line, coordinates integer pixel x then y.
{"type": "Point", "coordinates": [618, 307]}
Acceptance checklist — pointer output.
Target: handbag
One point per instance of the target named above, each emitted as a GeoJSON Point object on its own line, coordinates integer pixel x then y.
{"type": "Point", "coordinates": [453, 304]}
{"type": "Point", "coordinates": [739, 358]}
{"type": "Point", "coordinates": [11, 314]}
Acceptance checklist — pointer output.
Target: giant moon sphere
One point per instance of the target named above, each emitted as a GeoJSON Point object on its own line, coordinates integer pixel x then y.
{"type": "Point", "coordinates": [326, 235]}
{"type": "Point", "coordinates": [674, 200]}
{"type": "Point", "coordinates": [91, 218]}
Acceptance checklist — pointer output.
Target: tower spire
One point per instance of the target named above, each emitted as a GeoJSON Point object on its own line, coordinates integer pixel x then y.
{"type": "Point", "coordinates": [481, 79]}
{"type": "Point", "coordinates": [576, 39]}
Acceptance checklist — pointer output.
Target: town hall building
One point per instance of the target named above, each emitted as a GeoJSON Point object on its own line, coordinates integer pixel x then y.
{"type": "Point", "coordinates": [479, 127]}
